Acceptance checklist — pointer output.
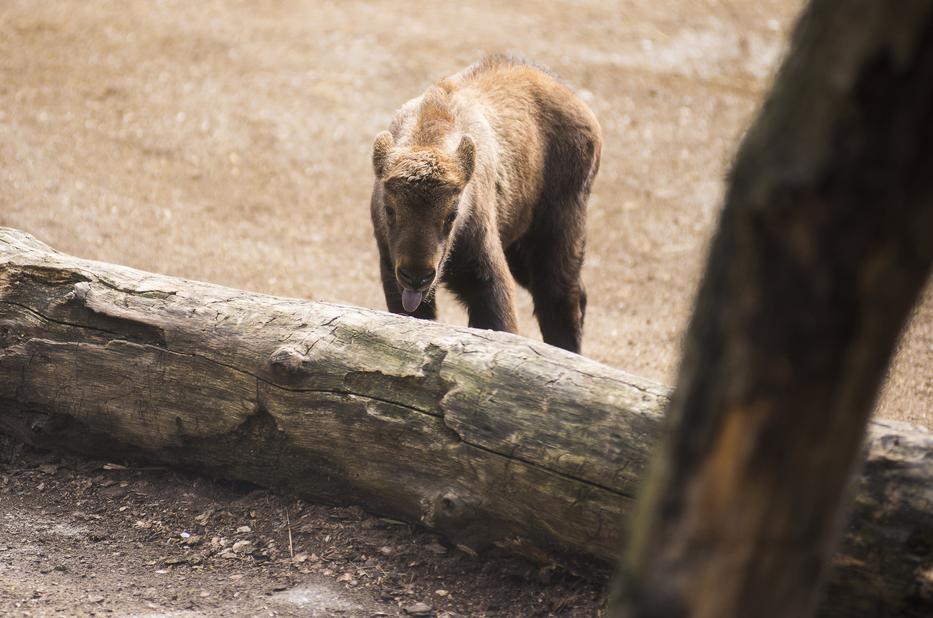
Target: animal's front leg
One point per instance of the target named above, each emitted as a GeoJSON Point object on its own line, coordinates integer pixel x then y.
{"type": "Point", "coordinates": [427, 310]}
{"type": "Point", "coordinates": [494, 310]}
{"type": "Point", "coordinates": [490, 297]}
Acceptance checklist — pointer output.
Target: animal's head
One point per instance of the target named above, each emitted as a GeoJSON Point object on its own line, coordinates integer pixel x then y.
{"type": "Point", "coordinates": [421, 189]}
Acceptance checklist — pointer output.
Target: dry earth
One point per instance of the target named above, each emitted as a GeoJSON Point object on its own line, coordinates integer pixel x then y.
{"type": "Point", "coordinates": [92, 538]}
{"type": "Point", "coordinates": [229, 142]}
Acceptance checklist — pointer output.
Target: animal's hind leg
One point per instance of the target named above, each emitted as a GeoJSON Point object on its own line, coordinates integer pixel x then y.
{"type": "Point", "coordinates": [557, 241]}
{"type": "Point", "coordinates": [556, 286]}
{"type": "Point", "coordinates": [560, 301]}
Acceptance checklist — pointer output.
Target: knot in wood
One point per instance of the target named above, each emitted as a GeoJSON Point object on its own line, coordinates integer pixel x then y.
{"type": "Point", "coordinates": [449, 505]}
{"type": "Point", "coordinates": [287, 359]}
{"type": "Point", "coordinates": [444, 507]}
{"type": "Point", "coordinates": [79, 292]}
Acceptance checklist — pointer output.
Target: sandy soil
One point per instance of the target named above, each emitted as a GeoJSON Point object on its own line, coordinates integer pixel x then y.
{"type": "Point", "coordinates": [229, 141]}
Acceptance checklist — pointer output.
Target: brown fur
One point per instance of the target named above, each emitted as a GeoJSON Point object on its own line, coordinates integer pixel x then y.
{"type": "Point", "coordinates": [483, 180]}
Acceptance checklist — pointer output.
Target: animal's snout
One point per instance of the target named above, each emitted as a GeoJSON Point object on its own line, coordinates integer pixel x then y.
{"type": "Point", "coordinates": [416, 279]}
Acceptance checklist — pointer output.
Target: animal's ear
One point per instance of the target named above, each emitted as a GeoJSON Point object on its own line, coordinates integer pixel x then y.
{"type": "Point", "coordinates": [466, 157]}
{"type": "Point", "coordinates": [381, 149]}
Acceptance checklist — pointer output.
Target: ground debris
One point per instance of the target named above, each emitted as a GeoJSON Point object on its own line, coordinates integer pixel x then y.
{"type": "Point", "coordinates": [419, 610]}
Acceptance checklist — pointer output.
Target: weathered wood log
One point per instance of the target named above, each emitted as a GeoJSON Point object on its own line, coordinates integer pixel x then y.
{"type": "Point", "coordinates": [489, 438]}
{"type": "Point", "coordinates": [486, 437]}
{"type": "Point", "coordinates": [825, 242]}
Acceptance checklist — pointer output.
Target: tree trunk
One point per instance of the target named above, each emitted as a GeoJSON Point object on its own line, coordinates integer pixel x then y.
{"type": "Point", "coordinates": [489, 438]}
{"type": "Point", "coordinates": [822, 249]}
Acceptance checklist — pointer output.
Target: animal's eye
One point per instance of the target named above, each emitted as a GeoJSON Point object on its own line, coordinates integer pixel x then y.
{"type": "Point", "coordinates": [390, 214]}
{"type": "Point", "coordinates": [449, 221]}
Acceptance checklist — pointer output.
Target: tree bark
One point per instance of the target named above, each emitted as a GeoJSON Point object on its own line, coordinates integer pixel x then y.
{"type": "Point", "coordinates": [489, 438]}
{"type": "Point", "coordinates": [823, 246]}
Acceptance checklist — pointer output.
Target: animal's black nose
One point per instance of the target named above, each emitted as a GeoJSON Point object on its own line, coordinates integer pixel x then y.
{"type": "Point", "coordinates": [416, 280]}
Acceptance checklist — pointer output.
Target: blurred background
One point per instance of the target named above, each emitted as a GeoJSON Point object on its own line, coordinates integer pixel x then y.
{"type": "Point", "coordinates": [229, 141]}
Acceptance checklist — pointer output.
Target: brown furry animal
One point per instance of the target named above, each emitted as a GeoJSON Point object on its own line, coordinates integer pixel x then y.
{"type": "Point", "coordinates": [483, 178]}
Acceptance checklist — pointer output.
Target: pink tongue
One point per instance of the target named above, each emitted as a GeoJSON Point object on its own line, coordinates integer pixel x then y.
{"type": "Point", "coordinates": [411, 300]}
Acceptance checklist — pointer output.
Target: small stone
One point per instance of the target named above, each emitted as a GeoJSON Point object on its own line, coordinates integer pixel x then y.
{"type": "Point", "coordinates": [441, 593]}
{"type": "Point", "coordinates": [385, 550]}
{"type": "Point", "coordinates": [437, 549]}
{"type": "Point", "coordinates": [260, 556]}
{"type": "Point", "coordinates": [242, 546]}
{"type": "Point", "coordinates": [95, 598]}
{"type": "Point", "coordinates": [244, 529]}
{"type": "Point", "coordinates": [421, 610]}
{"type": "Point", "coordinates": [468, 550]}
{"type": "Point", "coordinates": [114, 492]}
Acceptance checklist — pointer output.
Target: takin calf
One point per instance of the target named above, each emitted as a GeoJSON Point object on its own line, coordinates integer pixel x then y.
{"type": "Point", "coordinates": [482, 179]}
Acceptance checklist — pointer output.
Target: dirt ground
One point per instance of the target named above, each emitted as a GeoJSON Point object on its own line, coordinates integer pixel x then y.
{"type": "Point", "coordinates": [87, 538]}
{"type": "Point", "coordinates": [229, 141]}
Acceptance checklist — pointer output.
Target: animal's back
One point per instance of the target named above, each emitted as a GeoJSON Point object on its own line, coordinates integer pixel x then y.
{"type": "Point", "coordinates": [509, 85]}
{"type": "Point", "coordinates": [541, 132]}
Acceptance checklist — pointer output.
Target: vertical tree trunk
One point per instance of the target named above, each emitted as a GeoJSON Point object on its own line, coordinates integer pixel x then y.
{"type": "Point", "coordinates": [825, 240]}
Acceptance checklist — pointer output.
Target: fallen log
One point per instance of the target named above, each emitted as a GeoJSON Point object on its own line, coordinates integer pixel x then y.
{"type": "Point", "coordinates": [488, 438]}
